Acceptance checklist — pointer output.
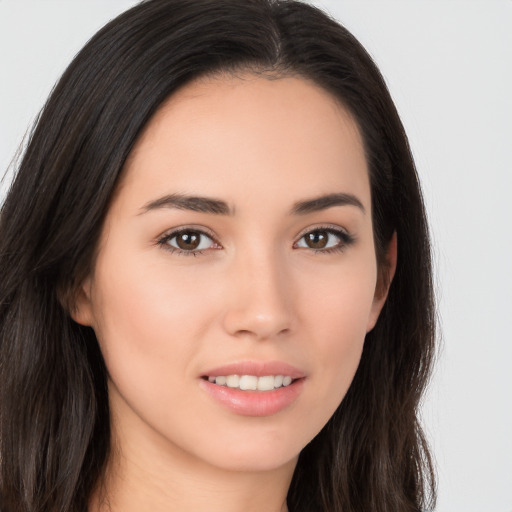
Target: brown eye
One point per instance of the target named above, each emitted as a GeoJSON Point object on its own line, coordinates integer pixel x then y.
{"type": "Point", "coordinates": [317, 239]}
{"type": "Point", "coordinates": [325, 240]}
{"type": "Point", "coordinates": [189, 241]}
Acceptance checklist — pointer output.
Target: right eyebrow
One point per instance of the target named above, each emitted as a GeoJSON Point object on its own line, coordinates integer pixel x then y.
{"type": "Point", "coordinates": [186, 202]}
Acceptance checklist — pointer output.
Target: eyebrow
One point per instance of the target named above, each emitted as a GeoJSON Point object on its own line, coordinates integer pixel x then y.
{"type": "Point", "coordinates": [191, 203]}
{"type": "Point", "coordinates": [328, 201]}
{"type": "Point", "coordinates": [219, 207]}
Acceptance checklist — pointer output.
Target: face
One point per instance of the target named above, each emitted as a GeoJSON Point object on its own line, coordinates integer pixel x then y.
{"type": "Point", "coordinates": [236, 274]}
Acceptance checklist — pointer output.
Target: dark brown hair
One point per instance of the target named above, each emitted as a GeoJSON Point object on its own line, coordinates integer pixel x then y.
{"type": "Point", "coordinates": [54, 414]}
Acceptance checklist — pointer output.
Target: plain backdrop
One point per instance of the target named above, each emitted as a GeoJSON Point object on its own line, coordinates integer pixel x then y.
{"type": "Point", "coordinates": [448, 64]}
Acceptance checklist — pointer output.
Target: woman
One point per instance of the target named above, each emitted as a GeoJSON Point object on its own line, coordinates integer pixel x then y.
{"type": "Point", "coordinates": [280, 367]}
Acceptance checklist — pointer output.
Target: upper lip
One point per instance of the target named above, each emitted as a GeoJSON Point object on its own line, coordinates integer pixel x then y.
{"type": "Point", "coordinates": [256, 368]}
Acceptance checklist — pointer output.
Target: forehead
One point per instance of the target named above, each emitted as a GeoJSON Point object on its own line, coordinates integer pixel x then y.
{"type": "Point", "coordinates": [219, 133]}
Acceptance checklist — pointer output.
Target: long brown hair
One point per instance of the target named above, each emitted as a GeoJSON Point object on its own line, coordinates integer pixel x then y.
{"type": "Point", "coordinates": [54, 414]}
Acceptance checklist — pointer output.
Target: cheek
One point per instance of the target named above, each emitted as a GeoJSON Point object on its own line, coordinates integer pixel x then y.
{"type": "Point", "coordinates": [149, 321]}
{"type": "Point", "coordinates": [340, 298]}
{"type": "Point", "coordinates": [150, 327]}
{"type": "Point", "coordinates": [339, 316]}
{"type": "Point", "coordinates": [147, 301]}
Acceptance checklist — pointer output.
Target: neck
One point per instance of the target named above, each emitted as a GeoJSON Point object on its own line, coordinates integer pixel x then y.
{"type": "Point", "coordinates": [141, 477]}
{"type": "Point", "coordinates": [137, 488]}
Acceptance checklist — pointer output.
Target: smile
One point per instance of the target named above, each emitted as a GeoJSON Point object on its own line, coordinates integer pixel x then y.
{"type": "Point", "coordinates": [252, 382]}
{"type": "Point", "coordinates": [254, 388]}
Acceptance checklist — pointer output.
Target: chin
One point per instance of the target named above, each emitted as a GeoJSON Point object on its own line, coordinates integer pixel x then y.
{"type": "Point", "coordinates": [258, 451]}
{"type": "Point", "coordinates": [255, 461]}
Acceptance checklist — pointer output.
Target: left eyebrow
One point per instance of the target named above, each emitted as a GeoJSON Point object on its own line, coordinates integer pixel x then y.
{"type": "Point", "coordinates": [317, 204]}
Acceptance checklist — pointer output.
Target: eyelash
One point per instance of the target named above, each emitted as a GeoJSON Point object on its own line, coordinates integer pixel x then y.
{"type": "Point", "coordinates": [345, 238]}
{"type": "Point", "coordinates": [164, 241]}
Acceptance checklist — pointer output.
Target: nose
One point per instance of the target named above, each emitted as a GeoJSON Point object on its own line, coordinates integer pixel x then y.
{"type": "Point", "coordinates": [260, 299]}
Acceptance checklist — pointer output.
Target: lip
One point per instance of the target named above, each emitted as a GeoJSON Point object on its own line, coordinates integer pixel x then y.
{"type": "Point", "coordinates": [256, 368]}
{"type": "Point", "coordinates": [254, 403]}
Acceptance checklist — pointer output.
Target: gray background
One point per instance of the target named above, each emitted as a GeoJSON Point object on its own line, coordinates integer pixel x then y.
{"type": "Point", "coordinates": [448, 64]}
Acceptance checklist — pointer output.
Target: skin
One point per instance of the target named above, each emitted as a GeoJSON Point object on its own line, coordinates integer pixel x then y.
{"type": "Point", "coordinates": [255, 291]}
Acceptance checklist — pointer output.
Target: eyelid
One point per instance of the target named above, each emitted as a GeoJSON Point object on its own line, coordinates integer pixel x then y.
{"type": "Point", "coordinates": [188, 227]}
{"type": "Point", "coordinates": [346, 238]}
{"type": "Point", "coordinates": [167, 235]}
{"type": "Point", "coordinates": [333, 228]}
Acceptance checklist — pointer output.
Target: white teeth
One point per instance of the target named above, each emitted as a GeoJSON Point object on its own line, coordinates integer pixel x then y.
{"type": "Point", "coordinates": [251, 382]}
{"type": "Point", "coordinates": [266, 383]}
{"type": "Point", "coordinates": [248, 382]}
{"type": "Point", "coordinates": [233, 381]}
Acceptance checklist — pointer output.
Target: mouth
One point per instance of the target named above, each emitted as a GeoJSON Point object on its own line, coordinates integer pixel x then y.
{"type": "Point", "coordinates": [254, 388]}
{"type": "Point", "coordinates": [251, 382]}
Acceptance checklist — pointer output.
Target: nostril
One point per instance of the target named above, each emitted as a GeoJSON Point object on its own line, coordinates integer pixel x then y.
{"type": "Point", "coordinates": [257, 317]}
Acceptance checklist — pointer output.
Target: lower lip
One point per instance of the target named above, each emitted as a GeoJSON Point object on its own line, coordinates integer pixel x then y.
{"type": "Point", "coordinates": [254, 403]}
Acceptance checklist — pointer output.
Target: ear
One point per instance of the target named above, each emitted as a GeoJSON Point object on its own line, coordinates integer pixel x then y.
{"type": "Point", "coordinates": [385, 275]}
{"type": "Point", "coordinates": [80, 308]}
